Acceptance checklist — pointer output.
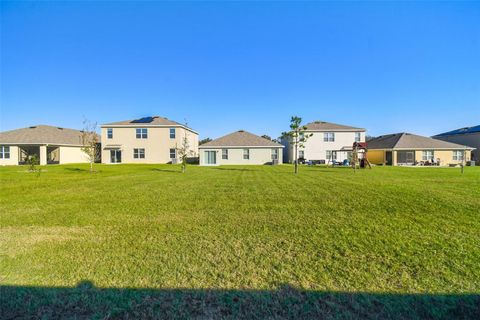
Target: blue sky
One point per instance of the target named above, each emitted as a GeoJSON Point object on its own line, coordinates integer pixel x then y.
{"type": "Point", "coordinates": [224, 66]}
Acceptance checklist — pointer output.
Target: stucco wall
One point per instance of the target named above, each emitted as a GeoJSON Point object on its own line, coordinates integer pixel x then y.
{"type": "Point", "coordinates": [72, 155]}
{"type": "Point", "coordinates": [316, 149]}
{"type": "Point", "coordinates": [376, 156]}
{"type": "Point", "coordinates": [13, 157]}
{"type": "Point", "coordinates": [157, 146]}
{"type": "Point", "coordinates": [235, 156]}
{"type": "Point", "coordinates": [445, 156]}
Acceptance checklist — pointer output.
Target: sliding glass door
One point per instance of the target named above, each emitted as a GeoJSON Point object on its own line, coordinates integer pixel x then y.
{"type": "Point", "coordinates": [210, 157]}
{"type": "Point", "coordinates": [115, 156]}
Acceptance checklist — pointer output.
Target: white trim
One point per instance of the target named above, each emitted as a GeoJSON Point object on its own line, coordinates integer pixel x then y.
{"type": "Point", "coordinates": [136, 125]}
{"type": "Point", "coordinates": [40, 144]}
{"type": "Point", "coordinates": [420, 149]}
{"type": "Point", "coordinates": [237, 147]}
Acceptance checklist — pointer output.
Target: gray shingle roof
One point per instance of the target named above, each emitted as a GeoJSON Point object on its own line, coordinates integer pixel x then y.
{"type": "Point", "coordinates": [155, 121]}
{"type": "Point", "coordinates": [42, 134]}
{"type": "Point", "coordinates": [241, 138]}
{"type": "Point", "coordinates": [410, 141]}
{"type": "Point", "coordinates": [328, 126]}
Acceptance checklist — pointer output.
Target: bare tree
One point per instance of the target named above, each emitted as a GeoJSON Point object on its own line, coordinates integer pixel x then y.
{"type": "Point", "coordinates": [90, 140]}
{"type": "Point", "coordinates": [297, 137]}
{"type": "Point", "coordinates": [184, 152]}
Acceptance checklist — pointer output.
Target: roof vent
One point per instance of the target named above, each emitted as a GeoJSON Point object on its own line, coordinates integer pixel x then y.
{"type": "Point", "coordinates": [60, 128]}
{"type": "Point", "coordinates": [32, 127]}
{"type": "Point", "coordinates": [241, 131]}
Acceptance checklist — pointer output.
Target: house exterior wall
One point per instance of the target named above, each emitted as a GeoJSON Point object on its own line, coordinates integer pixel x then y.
{"type": "Point", "coordinates": [377, 156]}
{"type": "Point", "coordinates": [72, 155]}
{"type": "Point", "coordinates": [316, 149]}
{"type": "Point", "coordinates": [157, 146]}
{"type": "Point", "coordinates": [258, 156]}
{"type": "Point", "coordinates": [13, 160]}
{"type": "Point", "coordinates": [468, 139]}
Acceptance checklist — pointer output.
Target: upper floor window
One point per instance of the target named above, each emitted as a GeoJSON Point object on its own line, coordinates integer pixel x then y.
{"type": "Point", "coordinates": [139, 153]}
{"type": "Point", "coordinates": [4, 152]}
{"type": "Point", "coordinates": [172, 133]}
{"type": "Point", "coordinates": [142, 133]}
{"type": "Point", "coordinates": [329, 136]}
{"type": "Point", "coordinates": [275, 154]}
{"type": "Point", "coordinates": [357, 136]}
{"type": "Point", "coordinates": [246, 154]}
{"type": "Point", "coordinates": [302, 136]}
{"type": "Point", "coordinates": [427, 155]}
{"type": "Point", "coordinates": [225, 154]}
{"type": "Point", "coordinates": [109, 133]}
{"type": "Point", "coordinates": [458, 155]}
{"type": "Point", "coordinates": [173, 153]}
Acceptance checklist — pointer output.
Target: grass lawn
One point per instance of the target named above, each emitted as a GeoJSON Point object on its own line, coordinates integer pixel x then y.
{"type": "Point", "coordinates": [228, 242]}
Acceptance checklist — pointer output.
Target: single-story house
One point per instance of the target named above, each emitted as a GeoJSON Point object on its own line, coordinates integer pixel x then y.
{"type": "Point", "coordinates": [240, 147]}
{"type": "Point", "coordinates": [411, 149]}
{"type": "Point", "coordinates": [51, 145]}
{"type": "Point", "coordinates": [469, 136]}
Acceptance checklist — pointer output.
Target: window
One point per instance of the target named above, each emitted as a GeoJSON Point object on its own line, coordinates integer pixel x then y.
{"type": "Point", "coordinates": [225, 154]}
{"type": "Point", "coordinates": [329, 136]}
{"type": "Point", "coordinates": [173, 154]}
{"type": "Point", "coordinates": [246, 154]}
{"type": "Point", "coordinates": [301, 154]}
{"type": "Point", "coordinates": [274, 154]}
{"type": "Point", "coordinates": [139, 153]}
{"type": "Point", "coordinates": [172, 133]}
{"type": "Point", "coordinates": [109, 133]}
{"type": "Point", "coordinates": [427, 155]}
{"type": "Point", "coordinates": [4, 152]}
{"type": "Point", "coordinates": [458, 155]}
{"type": "Point", "coordinates": [142, 133]}
{"type": "Point", "coordinates": [357, 136]}
{"type": "Point", "coordinates": [331, 155]}
{"type": "Point", "coordinates": [302, 136]}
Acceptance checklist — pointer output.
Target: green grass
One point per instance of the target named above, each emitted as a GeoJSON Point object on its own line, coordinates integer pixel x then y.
{"type": "Point", "coordinates": [239, 242]}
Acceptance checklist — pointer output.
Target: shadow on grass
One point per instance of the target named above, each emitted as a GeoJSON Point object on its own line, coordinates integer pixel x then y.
{"type": "Point", "coordinates": [76, 170]}
{"type": "Point", "coordinates": [166, 170]}
{"type": "Point", "coordinates": [231, 169]}
{"type": "Point", "coordinates": [86, 301]}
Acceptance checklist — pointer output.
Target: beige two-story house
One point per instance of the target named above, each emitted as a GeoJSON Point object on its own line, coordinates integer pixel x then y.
{"type": "Point", "coordinates": [146, 140]}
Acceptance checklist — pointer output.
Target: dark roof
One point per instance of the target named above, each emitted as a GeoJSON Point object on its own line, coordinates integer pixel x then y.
{"type": "Point", "coordinates": [42, 134]}
{"type": "Point", "coordinates": [410, 141]}
{"type": "Point", "coordinates": [241, 138]}
{"type": "Point", "coordinates": [465, 130]}
{"type": "Point", "coordinates": [147, 121]}
{"type": "Point", "coordinates": [328, 126]}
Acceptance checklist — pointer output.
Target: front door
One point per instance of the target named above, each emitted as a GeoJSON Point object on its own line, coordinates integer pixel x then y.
{"type": "Point", "coordinates": [210, 157]}
{"type": "Point", "coordinates": [115, 156]}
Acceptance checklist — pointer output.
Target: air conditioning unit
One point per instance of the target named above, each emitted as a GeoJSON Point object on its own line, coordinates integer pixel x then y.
{"type": "Point", "coordinates": [174, 161]}
{"type": "Point", "coordinates": [275, 162]}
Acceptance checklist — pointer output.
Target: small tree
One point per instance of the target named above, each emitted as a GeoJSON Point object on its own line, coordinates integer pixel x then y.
{"type": "Point", "coordinates": [296, 137]}
{"type": "Point", "coordinates": [183, 152]}
{"type": "Point", "coordinates": [90, 141]}
{"type": "Point", "coordinates": [32, 161]}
